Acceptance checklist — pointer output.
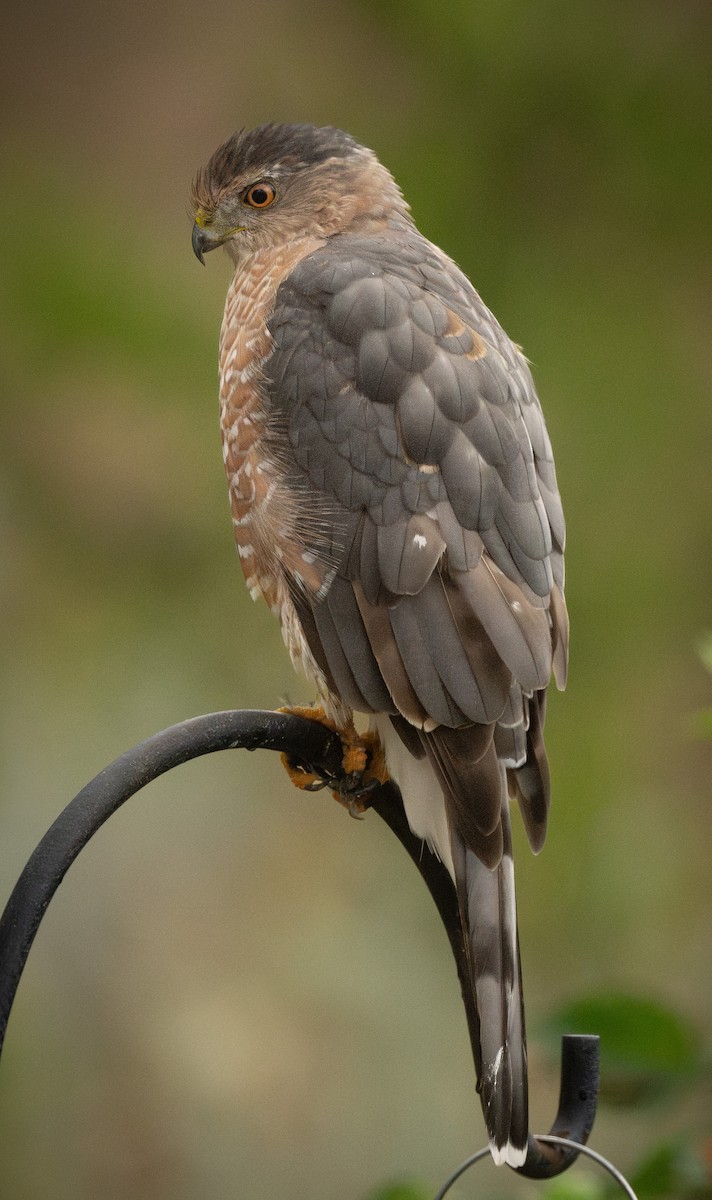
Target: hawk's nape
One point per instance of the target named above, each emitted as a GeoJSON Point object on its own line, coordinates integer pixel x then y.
{"type": "Point", "coordinates": [394, 500]}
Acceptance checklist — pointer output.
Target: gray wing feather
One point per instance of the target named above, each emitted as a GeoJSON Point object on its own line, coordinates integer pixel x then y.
{"type": "Point", "coordinates": [398, 397]}
{"type": "Point", "coordinates": [377, 624]}
{"type": "Point", "coordinates": [349, 651]}
{"type": "Point", "coordinates": [519, 631]}
{"type": "Point", "coordinates": [467, 663]}
{"type": "Point", "coordinates": [368, 572]}
{"type": "Point", "coordinates": [418, 655]}
{"type": "Point", "coordinates": [464, 546]}
{"type": "Point", "coordinates": [472, 485]}
{"type": "Point", "coordinates": [530, 783]}
{"type": "Point", "coordinates": [408, 554]}
{"type": "Point", "coordinates": [426, 433]}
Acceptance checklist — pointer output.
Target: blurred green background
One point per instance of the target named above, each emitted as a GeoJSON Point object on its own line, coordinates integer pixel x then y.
{"type": "Point", "coordinates": [238, 990]}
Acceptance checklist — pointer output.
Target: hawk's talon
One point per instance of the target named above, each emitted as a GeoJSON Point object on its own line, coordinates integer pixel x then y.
{"type": "Point", "coordinates": [360, 790]}
{"type": "Point", "coordinates": [317, 785]}
{"type": "Point", "coordinates": [363, 766]}
{"type": "Point", "coordinates": [354, 792]}
{"type": "Point", "coordinates": [348, 785]}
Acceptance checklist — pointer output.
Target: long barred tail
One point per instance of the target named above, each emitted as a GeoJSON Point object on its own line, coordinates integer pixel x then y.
{"type": "Point", "coordinates": [446, 791]}
{"type": "Point", "coordinates": [489, 917]}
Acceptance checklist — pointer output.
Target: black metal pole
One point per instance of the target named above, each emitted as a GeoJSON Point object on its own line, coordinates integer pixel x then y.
{"type": "Point", "coordinates": [320, 751]}
{"type": "Point", "coordinates": [306, 741]}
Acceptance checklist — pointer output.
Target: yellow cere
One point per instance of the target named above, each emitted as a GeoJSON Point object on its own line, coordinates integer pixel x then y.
{"type": "Point", "coordinates": [202, 218]}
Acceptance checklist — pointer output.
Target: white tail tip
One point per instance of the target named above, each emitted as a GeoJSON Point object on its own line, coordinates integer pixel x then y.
{"type": "Point", "coordinates": [509, 1155]}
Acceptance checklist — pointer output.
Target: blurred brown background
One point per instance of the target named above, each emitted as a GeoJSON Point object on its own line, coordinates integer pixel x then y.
{"type": "Point", "coordinates": [238, 991]}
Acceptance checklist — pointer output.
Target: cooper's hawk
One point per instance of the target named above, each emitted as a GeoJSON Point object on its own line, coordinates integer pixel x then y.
{"type": "Point", "coordinates": [394, 500]}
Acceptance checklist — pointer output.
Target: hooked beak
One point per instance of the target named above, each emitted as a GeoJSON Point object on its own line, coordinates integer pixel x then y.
{"type": "Point", "coordinates": [202, 242]}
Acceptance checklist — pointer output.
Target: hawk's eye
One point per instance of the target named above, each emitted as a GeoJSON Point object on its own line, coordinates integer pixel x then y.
{"type": "Point", "coordinates": [260, 195]}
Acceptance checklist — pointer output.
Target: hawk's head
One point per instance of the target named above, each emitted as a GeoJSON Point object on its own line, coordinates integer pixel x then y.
{"type": "Point", "coordinates": [276, 183]}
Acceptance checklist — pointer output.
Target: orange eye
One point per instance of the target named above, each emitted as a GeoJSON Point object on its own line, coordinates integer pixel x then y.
{"type": "Point", "coordinates": [260, 195]}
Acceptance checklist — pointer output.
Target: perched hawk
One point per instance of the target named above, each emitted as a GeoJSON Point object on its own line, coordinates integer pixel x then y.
{"type": "Point", "coordinates": [394, 501]}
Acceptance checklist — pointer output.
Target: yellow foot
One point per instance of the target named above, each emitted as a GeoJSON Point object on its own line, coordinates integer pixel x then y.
{"type": "Point", "coordinates": [363, 763]}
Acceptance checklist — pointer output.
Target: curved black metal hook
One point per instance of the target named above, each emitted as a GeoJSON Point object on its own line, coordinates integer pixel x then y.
{"type": "Point", "coordinates": [306, 741]}
{"type": "Point", "coordinates": [319, 750]}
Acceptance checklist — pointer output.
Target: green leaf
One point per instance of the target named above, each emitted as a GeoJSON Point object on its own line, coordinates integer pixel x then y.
{"type": "Point", "coordinates": [644, 1046]}
{"type": "Point", "coordinates": [671, 1169]}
